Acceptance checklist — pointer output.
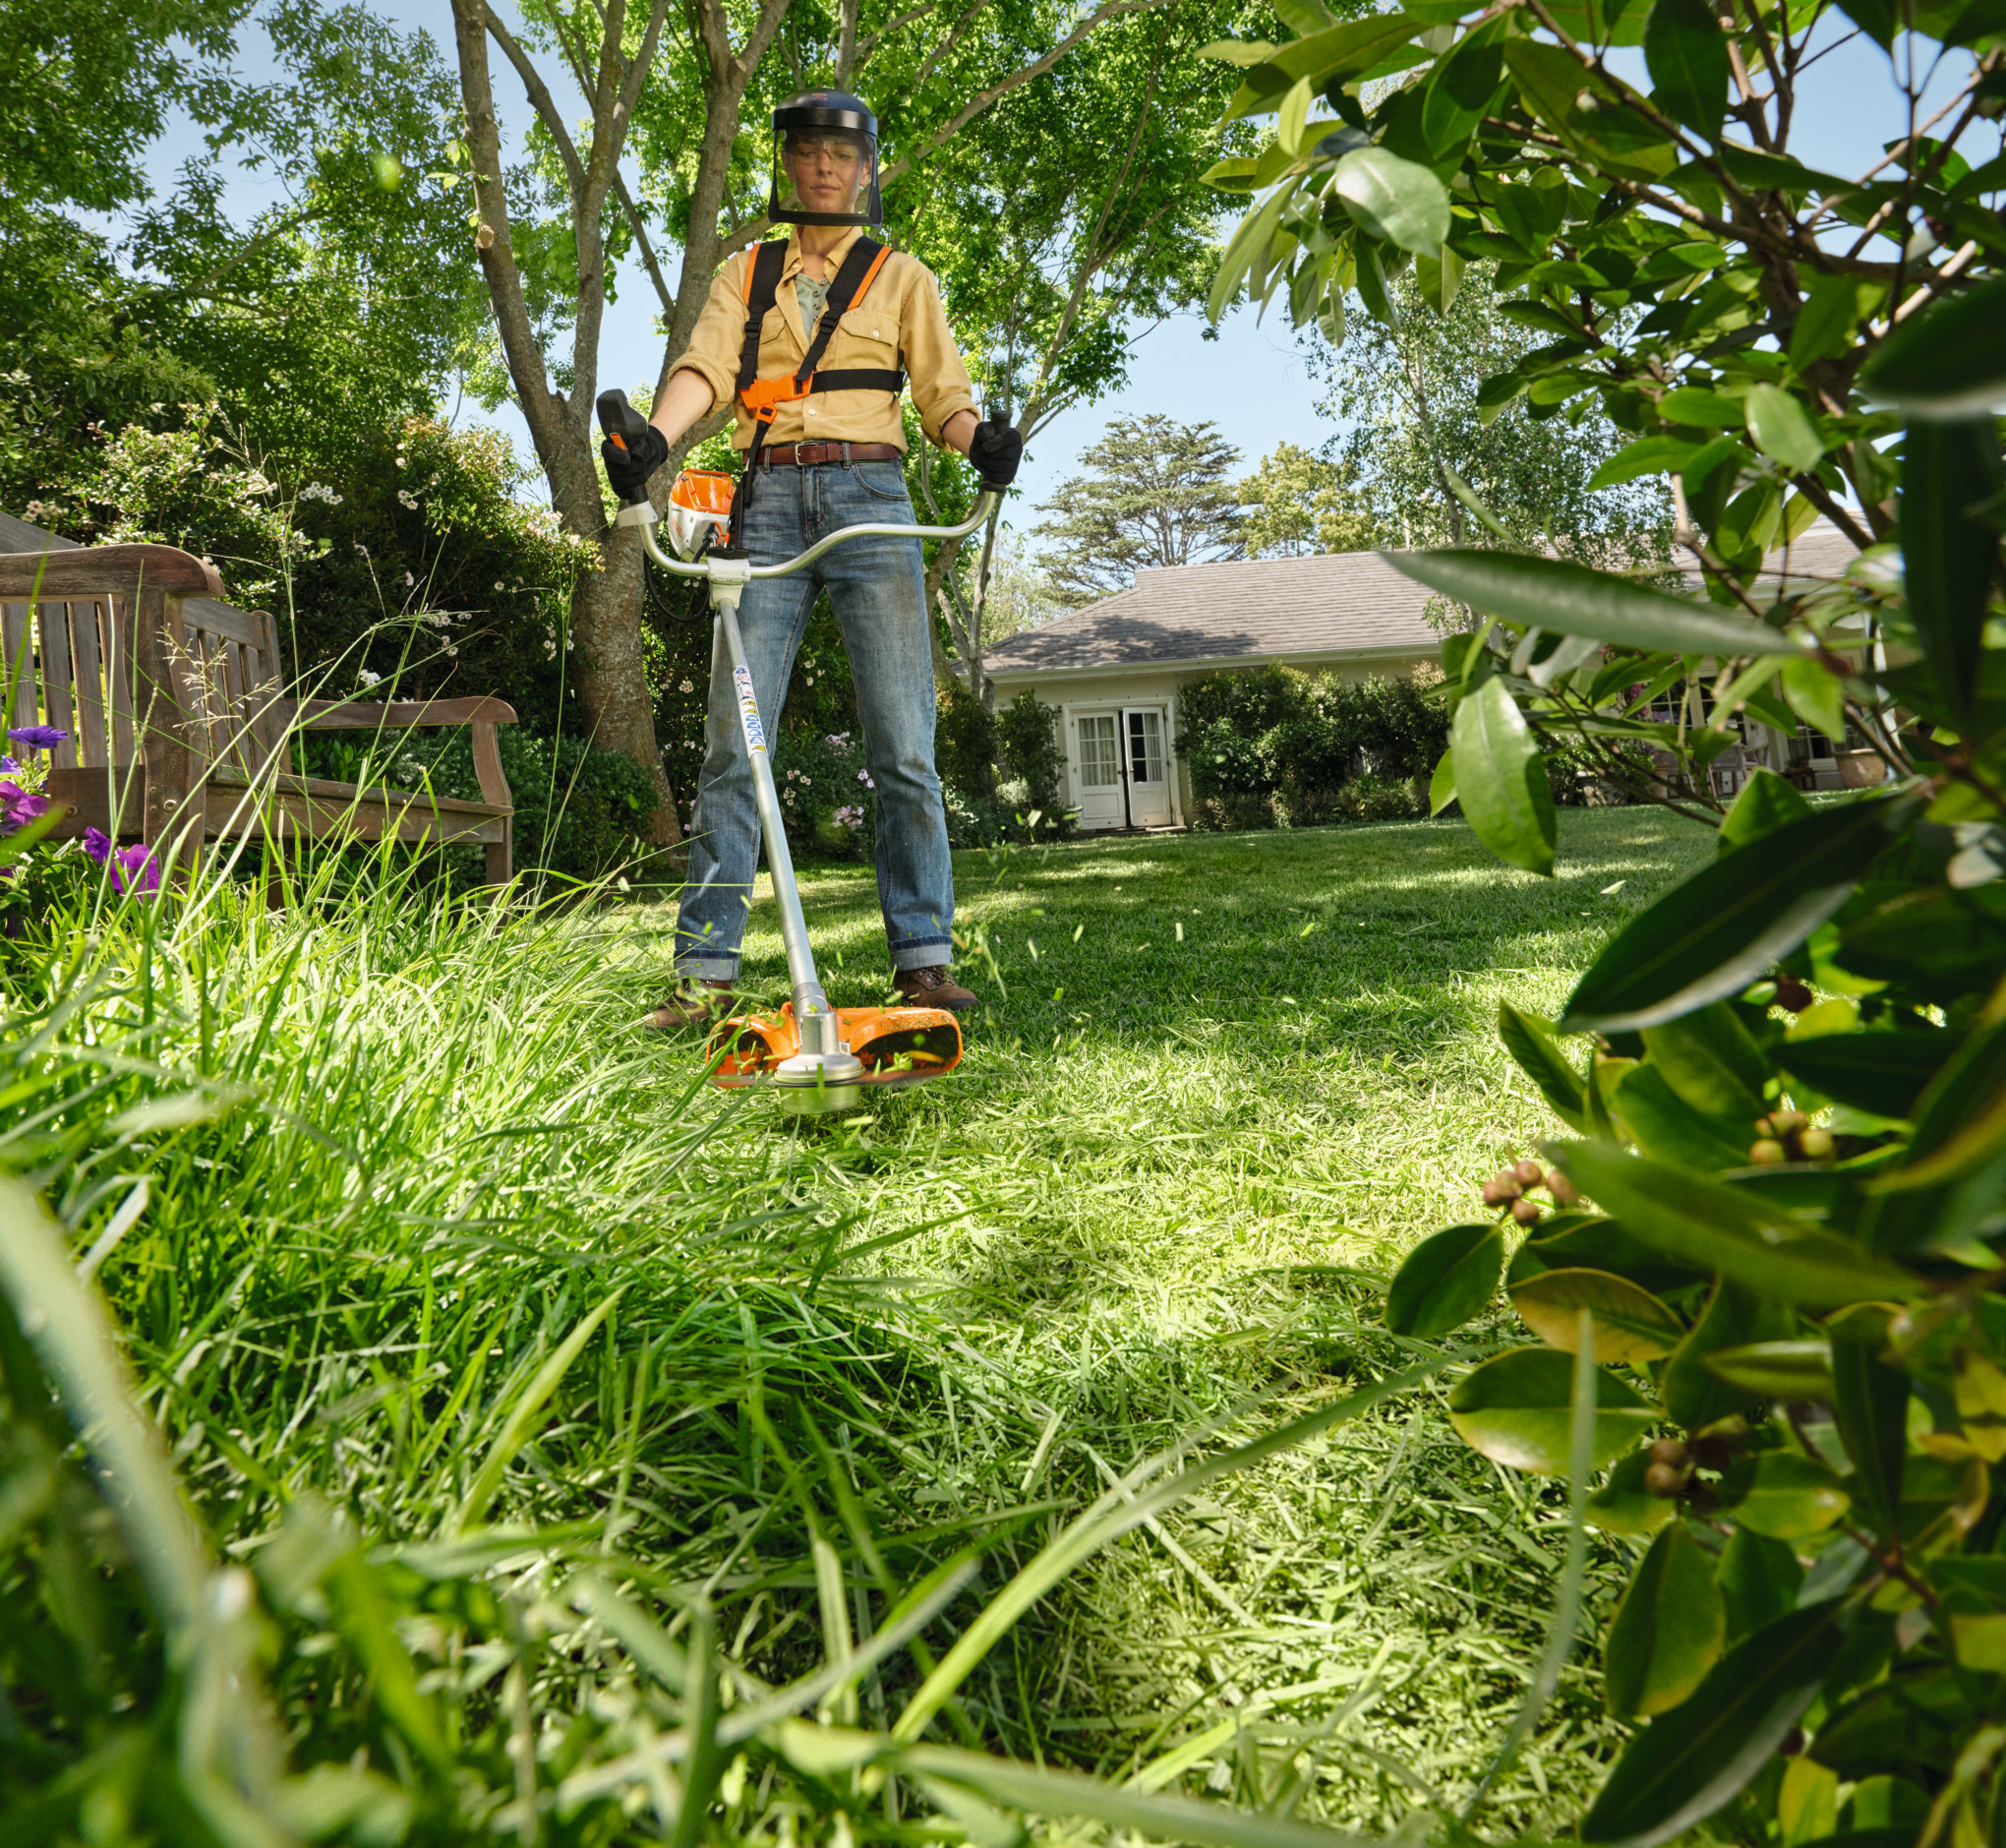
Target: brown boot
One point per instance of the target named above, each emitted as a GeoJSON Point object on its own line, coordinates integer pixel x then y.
{"type": "Point", "coordinates": [696, 1002]}
{"type": "Point", "coordinates": [932, 988]}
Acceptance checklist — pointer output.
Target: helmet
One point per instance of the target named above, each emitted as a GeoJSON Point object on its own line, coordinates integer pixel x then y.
{"type": "Point", "coordinates": [836, 117]}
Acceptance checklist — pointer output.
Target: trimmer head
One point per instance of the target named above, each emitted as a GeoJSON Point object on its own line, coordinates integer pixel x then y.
{"type": "Point", "coordinates": [894, 1045]}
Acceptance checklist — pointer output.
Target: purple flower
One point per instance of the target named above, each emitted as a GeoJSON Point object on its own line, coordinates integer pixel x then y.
{"type": "Point", "coordinates": [8, 766]}
{"type": "Point", "coordinates": [38, 737]}
{"type": "Point", "coordinates": [132, 867]}
{"type": "Point", "coordinates": [19, 807]}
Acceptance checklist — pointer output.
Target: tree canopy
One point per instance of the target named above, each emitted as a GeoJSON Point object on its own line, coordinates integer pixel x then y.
{"type": "Point", "coordinates": [1160, 493]}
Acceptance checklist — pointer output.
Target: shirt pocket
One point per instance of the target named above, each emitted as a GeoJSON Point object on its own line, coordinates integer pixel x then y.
{"type": "Point", "coordinates": [865, 336]}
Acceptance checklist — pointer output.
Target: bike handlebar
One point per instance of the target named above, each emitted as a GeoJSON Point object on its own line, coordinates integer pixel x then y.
{"type": "Point", "coordinates": [621, 422]}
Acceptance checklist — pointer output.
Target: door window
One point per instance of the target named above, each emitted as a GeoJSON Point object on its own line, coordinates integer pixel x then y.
{"type": "Point", "coordinates": [1146, 747]}
{"type": "Point", "coordinates": [1099, 758]}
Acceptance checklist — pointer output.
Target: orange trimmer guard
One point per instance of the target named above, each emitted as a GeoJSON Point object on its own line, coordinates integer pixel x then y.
{"type": "Point", "coordinates": [898, 1046]}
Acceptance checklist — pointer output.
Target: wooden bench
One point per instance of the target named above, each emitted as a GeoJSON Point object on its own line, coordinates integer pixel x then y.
{"type": "Point", "coordinates": [177, 716]}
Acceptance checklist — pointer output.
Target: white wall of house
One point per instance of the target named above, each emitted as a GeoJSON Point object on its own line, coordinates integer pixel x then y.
{"type": "Point", "coordinates": [1118, 728]}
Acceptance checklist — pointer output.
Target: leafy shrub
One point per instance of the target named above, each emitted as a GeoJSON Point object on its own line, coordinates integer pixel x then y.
{"type": "Point", "coordinates": [1027, 745]}
{"type": "Point", "coordinates": [826, 795]}
{"type": "Point", "coordinates": [580, 813]}
{"type": "Point", "coordinates": [1270, 742]}
{"type": "Point", "coordinates": [965, 743]}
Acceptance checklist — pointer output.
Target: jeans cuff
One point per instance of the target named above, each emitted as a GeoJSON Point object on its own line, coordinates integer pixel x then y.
{"type": "Point", "coordinates": [928, 953]}
{"type": "Point", "coordinates": [708, 968]}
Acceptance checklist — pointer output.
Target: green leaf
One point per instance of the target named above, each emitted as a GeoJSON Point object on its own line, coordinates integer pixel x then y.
{"type": "Point", "coordinates": [1688, 1762]}
{"type": "Point", "coordinates": [1631, 1326]}
{"type": "Point", "coordinates": [1241, 51]}
{"type": "Point", "coordinates": [1784, 1496]}
{"type": "Point", "coordinates": [1870, 1407]}
{"type": "Point", "coordinates": [1398, 202]}
{"type": "Point", "coordinates": [1948, 361]}
{"type": "Point", "coordinates": [1730, 923]}
{"type": "Point", "coordinates": [1731, 1231]}
{"type": "Point", "coordinates": [1759, 1578]}
{"type": "Point", "coordinates": [1782, 1370]}
{"type": "Point", "coordinates": [1447, 1280]}
{"type": "Point", "coordinates": [1535, 1054]}
{"type": "Point", "coordinates": [1880, 1072]}
{"type": "Point", "coordinates": [1687, 54]}
{"type": "Point", "coordinates": [1766, 802]}
{"type": "Point", "coordinates": [1622, 1504]}
{"type": "Point", "coordinates": [1326, 57]}
{"type": "Point", "coordinates": [1250, 241]}
{"type": "Point", "coordinates": [1696, 1395]}
{"type": "Point", "coordinates": [1949, 559]}
{"type": "Point", "coordinates": [1667, 1630]}
{"type": "Point", "coordinates": [1568, 599]}
{"type": "Point", "coordinates": [1460, 87]}
{"type": "Point", "coordinates": [1442, 785]}
{"type": "Point", "coordinates": [1502, 781]}
{"type": "Point", "coordinates": [1828, 321]}
{"type": "Point", "coordinates": [1666, 1128]}
{"type": "Point", "coordinates": [1295, 109]}
{"type": "Point", "coordinates": [1816, 696]}
{"type": "Point", "coordinates": [1516, 1410]}
{"type": "Point", "coordinates": [1783, 428]}
{"type": "Point", "coordinates": [1438, 279]}
{"type": "Point", "coordinates": [1648, 455]}
{"type": "Point", "coordinates": [1708, 410]}
{"type": "Point", "coordinates": [1709, 1058]}
{"type": "Point", "coordinates": [1879, 20]}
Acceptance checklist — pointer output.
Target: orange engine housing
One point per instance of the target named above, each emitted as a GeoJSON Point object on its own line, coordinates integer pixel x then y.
{"type": "Point", "coordinates": [899, 1046]}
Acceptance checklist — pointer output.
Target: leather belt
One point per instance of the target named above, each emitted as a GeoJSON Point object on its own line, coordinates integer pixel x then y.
{"type": "Point", "coordinates": [811, 455]}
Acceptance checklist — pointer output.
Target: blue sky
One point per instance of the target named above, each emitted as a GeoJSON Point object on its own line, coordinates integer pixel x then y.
{"type": "Point", "coordinates": [1252, 381]}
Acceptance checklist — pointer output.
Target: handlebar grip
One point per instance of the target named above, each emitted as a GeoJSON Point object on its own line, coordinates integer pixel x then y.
{"type": "Point", "coordinates": [619, 419]}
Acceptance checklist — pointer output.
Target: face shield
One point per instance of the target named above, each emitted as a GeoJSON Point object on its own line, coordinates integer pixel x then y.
{"type": "Point", "coordinates": [825, 161]}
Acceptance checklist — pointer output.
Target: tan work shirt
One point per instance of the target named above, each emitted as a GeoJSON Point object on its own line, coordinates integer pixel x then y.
{"type": "Point", "coordinates": [899, 323]}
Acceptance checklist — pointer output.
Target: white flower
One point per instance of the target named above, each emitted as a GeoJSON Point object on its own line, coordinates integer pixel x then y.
{"type": "Point", "coordinates": [409, 579]}
{"type": "Point", "coordinates": [369, 676]}
{"type": "Point", "coordinates": [499, 585]}
{"type": "Point", "coordinates": [409, 499]}
{"type": "Point", "coordinates": [686, 686]}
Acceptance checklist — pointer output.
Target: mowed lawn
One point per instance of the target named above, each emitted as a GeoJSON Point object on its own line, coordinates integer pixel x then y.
{"type": "Point", "coordinates": [1219, 1086]}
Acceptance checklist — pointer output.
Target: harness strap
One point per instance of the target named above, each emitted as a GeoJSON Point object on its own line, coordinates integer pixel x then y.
{"type": "Point", "coordinates": [762, 398]}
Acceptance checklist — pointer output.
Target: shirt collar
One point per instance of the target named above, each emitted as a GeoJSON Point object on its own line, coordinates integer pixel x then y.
{"type": "Point", "coordinates": [834, 260]}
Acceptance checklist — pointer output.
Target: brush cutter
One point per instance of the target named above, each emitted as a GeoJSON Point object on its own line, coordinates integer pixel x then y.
{"type": "Point", "coordinates": [812, 1057]}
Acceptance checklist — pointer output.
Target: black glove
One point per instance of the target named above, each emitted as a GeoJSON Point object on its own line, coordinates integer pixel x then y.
{"type": "Point", "coordinates": [997, 450]}
{"type": "Point", "coordinates": [629, 468]}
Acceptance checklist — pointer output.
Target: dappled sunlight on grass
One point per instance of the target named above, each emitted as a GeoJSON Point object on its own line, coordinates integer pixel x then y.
{"type": "Point", "coordinates": [1169, 1178]}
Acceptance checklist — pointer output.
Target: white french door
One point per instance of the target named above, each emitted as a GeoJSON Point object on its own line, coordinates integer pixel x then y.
{"type": "Point", "coordinates": [1121, 767]}
{"type": "Point", "coordinates": [1148, 769]}
{"type": "Point", "coordinates": [1097, 763]}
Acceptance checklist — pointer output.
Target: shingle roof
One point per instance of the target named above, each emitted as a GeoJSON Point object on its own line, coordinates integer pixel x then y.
{"type": "Point", "coordinates": [1334, 603]}
{"type": "Point", "coordinates": [1264, 608]}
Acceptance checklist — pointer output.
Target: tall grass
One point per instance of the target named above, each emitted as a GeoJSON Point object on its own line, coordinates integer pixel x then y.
{"type": "Point", "coordinates": [577, 1454]}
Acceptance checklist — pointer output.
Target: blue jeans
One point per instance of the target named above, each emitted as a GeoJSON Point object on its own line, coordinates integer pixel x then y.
{"type": "Point", "coordinates": [878, 589]}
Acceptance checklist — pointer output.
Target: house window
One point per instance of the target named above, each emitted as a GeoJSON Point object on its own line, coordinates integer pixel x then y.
{"type": "Point", "coordinates": [1100, 752]}
{"type": "Point", "coordinates": [1146, 747]}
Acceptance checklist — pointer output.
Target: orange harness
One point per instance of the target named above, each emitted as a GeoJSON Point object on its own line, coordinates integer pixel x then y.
{"type": "Point", "coordinates": [762, 398]}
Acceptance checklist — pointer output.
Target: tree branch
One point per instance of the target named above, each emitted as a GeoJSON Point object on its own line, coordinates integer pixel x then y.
{"type": "Point", "coordinates": [1107, 10]}
{"type": "Point", "coordinates": [540, 99]}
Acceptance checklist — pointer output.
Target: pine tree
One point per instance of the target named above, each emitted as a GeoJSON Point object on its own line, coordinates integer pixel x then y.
{"type": "Point", "coordinates": [1162, 494]}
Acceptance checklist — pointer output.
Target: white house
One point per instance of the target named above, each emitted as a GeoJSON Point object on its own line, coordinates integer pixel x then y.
{"type": "Point", "coordinates": [1114, 669]}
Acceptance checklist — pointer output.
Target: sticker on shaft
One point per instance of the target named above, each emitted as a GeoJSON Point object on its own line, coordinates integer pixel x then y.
{"type": "Point", "coordinates": [748, 711]}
